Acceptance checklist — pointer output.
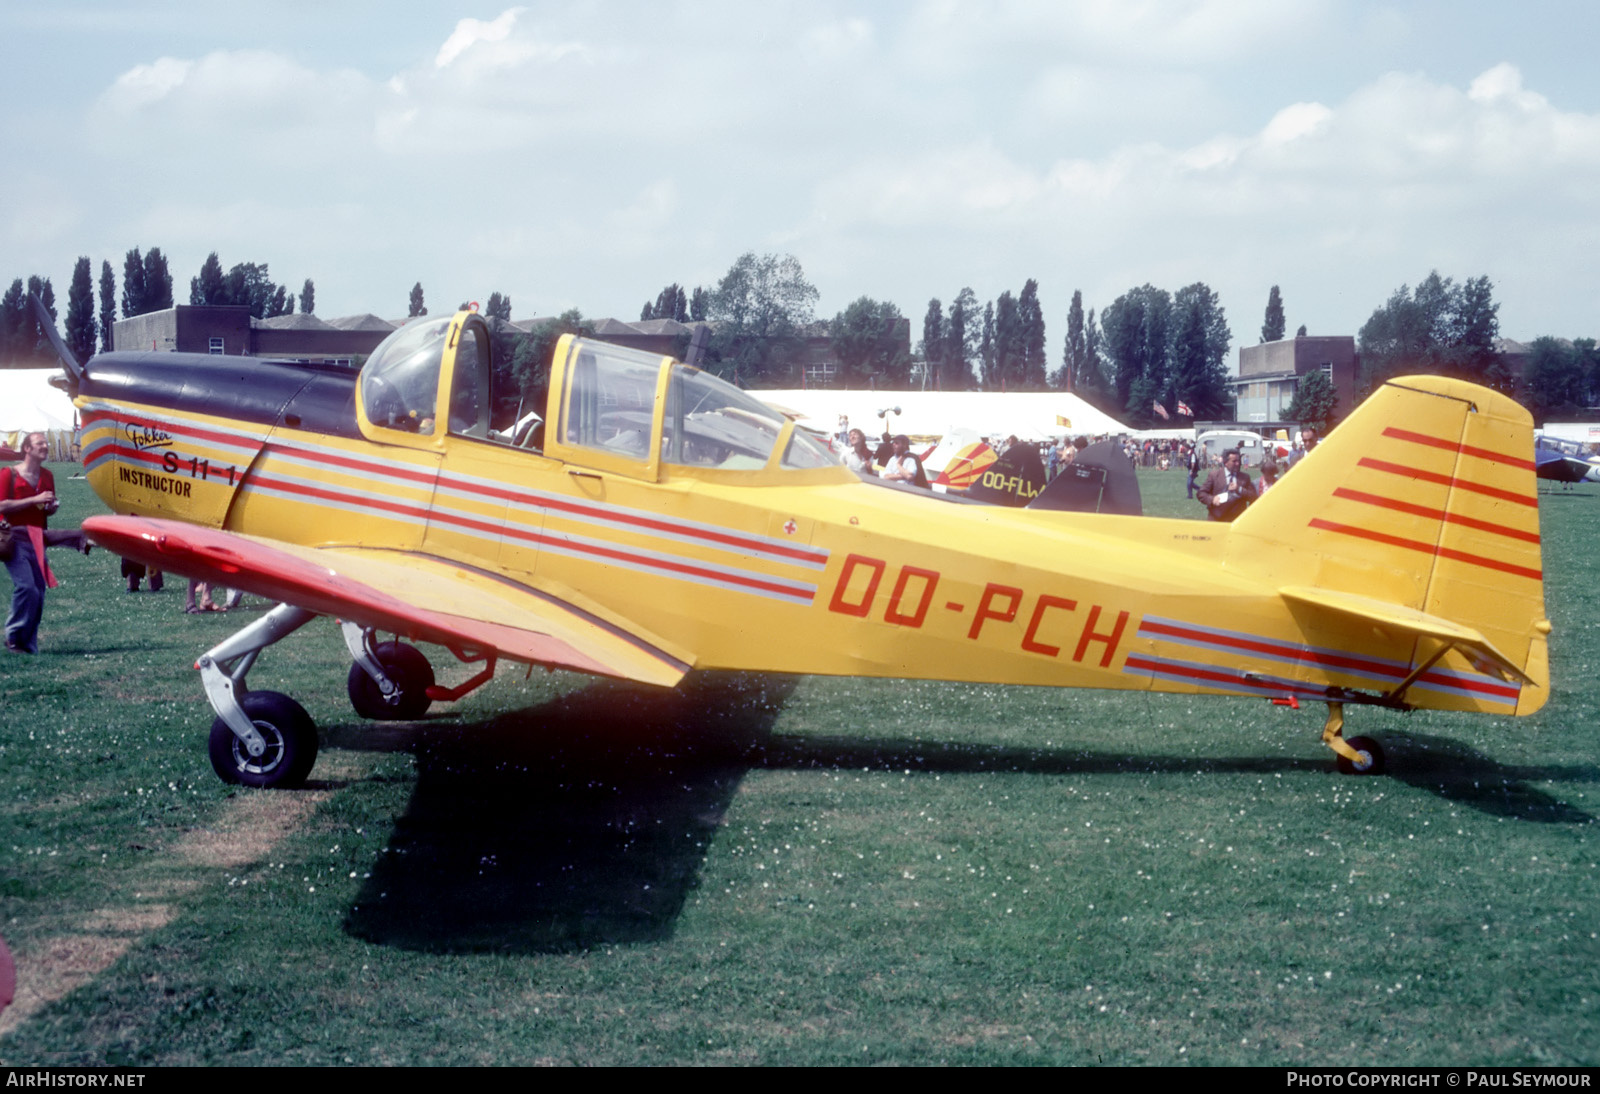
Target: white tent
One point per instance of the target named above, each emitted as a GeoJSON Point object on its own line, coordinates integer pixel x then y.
{"type": "Point", "coordinates": [1030, 416]}
{"type": "Point", "coordinates": [28, 404]}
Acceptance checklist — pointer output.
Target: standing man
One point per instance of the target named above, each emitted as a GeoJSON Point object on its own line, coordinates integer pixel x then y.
{"type": "Point", "coordinates": [1308, 437]}
{"type": "Point", "coordinates": [1228, 491]}
{"type": "Point", "coordinates": [27, 498]}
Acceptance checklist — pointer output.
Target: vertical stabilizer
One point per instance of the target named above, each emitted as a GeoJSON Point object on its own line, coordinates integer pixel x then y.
{"type": "Point", "coordinates": [1425, 498]}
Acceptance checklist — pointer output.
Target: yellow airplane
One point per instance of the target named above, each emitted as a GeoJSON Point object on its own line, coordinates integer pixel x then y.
{"type": "Point", "coordinates": [659, 520]}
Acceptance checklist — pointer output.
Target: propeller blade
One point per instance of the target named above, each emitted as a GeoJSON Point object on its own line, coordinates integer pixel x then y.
{"type": "Point", "coordinates": [47, 324]}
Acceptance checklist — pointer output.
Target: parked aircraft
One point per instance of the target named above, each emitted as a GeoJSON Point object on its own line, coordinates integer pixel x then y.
{"type": "Point", "coordinates": [663, 520]}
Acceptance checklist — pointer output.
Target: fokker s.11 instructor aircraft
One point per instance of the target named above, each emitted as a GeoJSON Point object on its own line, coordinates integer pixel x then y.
{"type": "Point", "coordinates": [659, 520]}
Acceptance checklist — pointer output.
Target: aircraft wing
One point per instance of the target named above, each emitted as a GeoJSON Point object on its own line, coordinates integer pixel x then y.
{"type": "Point", "coordinates": [1550, 464]}
{"type": "Point", "coordinates": [422, 597]}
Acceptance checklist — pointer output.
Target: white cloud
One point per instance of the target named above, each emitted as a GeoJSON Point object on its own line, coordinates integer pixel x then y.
{"type": "Point", "coordinates": [469, 32]}
{"type": "Point", "coordinates": [143, 85]}
{"type": "Point", "coordinates": [900, 152]}
{"type": "Point", "coordinates": [1293, 122]}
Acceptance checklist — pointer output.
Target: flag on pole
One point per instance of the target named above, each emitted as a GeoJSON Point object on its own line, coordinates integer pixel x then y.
{"type": "Point", "coordinates": [1162, 411]}
{"type": "Point", "coordinates": [1183, 408]}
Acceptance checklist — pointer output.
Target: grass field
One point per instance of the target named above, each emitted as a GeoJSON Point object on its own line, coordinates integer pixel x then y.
{"type": "Point", "coordinates": [799, 871]}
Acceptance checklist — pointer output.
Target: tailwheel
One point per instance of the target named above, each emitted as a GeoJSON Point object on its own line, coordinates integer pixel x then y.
{"type": "Point", "coordinates": [1369, 759]}
{"type": "Point", "coordinates": [1358, 755]}
{"type": "Point", "coordinates": [287, 741]}
{"type": "Point", "coordinates": [407, 671]}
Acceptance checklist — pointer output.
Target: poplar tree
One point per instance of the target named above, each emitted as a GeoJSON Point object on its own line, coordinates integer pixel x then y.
{"type": "Point", "coordinates": [80, 311]}
{"type": "Point", "coordinates": [1030, 322]}
{"type": "Point", "coordinates": [157, 281]}
{"type": "Point", "coordinates": [1273, 328]}
{"type": "Point", "coordinates": [108, 306]}
{"type": "Point", "coordinates": [133, 285]}
{"type": "Point", "coordinates": [933, 343]}
{"type": "Point", "coordinates": [1073, 350]}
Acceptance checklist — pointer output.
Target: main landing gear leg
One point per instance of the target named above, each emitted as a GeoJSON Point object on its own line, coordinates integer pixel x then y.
{"type": "Point", "coordinates": [390, 681]}
{"type": "Point", "coordinates": [1358, 755]}
{"type": "Point", "coordinates": [260, 738]}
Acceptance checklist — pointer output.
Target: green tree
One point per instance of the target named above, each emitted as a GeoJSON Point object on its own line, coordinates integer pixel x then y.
{"type": "Point", "coordinates": [670, 303]}
{"type": "Point", "coordinates": [1555, 379]}
{"type": "Point", "coordinates": [210, 285]}
{"type": "Point", "coordinates": [1588, 357]}
{"type": "Point", "coordinates": [961, 341]}
{"type": "Point", "coordinates": [133, 285]}
{"type": "Point", "coordinates": [31, 346]}
{"type": "Point", "coordinates": [530, 363]}
{"type": "Point", "coordinates": [699, 305]}
{"type": "Point", "coordinates": [1301, 332]}
{"type": "Point", "coordinates": [863, 339]}
{"type": "Point", "coordinates": [1436, 328]}
{"type": "Point", "coordinates": [1073, 350]}
{"type": "Point", "coordinates": [157, 281]}
{"type": "Point", "coordinates": [1273, 328]}
{"type": "Point", "coordinates": [987, 365]}
{"type": "Point", "coordinates": [248, 284]}
{"type": "Point", "coordinates": [80, 311]}
{"type": "Point", "coordinates": [1315, 402]}
{"type": "Point", "coordinates": [1093, 387]}
{"type": "Point", "coordinates": [1197, 368]}
{"type": "Point", "coordinates": [308, 298]}
{"type": "Point", "coordinates": [1136, 328]}
{"type": "Point", "coordinates": [761, 307]}
{"type": "Point", "coordinates": [1474, 327]}
{"type": "Point", "coordinates": [933, 341]}
{"type": "Point", "coordinates": [279, 303]}
{"type": "Point", "coordinates": [1030, 320]}
{"type": "Point", "coordinates": [417, 306]}
{"type": "Point", "coordinates": [1008, 349]}
{"type": "Point", "coordinates": [499, 307]}
{"type": "Point", "coordinates": [108, 305]}
{"type": "Point", "coordinates": [13, 309]}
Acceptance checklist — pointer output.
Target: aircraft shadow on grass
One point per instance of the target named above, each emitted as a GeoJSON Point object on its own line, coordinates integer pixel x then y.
{"type": "Point", "coordinates": [586, 820]}
{"type": "Point", "coordinates": [579, 822]}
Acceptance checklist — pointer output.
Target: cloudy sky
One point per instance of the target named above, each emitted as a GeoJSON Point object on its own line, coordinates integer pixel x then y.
{"type": "Point", "coordinates": [582, 154]}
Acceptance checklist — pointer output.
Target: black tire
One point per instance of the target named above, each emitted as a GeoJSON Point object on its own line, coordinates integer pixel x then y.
{"type": "Point", "coordinates": [1368, 748]}
{"type": "Point", "coordinates": [291, 738]}
{"type": "Point", "coordinates": [408, 667]}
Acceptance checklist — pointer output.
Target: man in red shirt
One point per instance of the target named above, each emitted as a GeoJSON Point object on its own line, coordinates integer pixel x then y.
{"type": "Point", "coordinates": [27, 498]}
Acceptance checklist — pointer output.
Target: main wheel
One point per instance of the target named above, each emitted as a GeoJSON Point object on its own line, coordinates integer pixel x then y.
{"type": "Point", "coordinates": [408, 668]}
{"type": "Point", "coordinates": [291, 738]}
{"type": "Point", "coordinates": [1371, 758]}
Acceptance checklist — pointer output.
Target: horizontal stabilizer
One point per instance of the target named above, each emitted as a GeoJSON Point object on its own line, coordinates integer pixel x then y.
{"type": "Point", "coordinates": [1397, 620]}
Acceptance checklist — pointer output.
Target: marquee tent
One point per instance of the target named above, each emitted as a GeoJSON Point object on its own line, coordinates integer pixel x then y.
{"type": "Point", "coordinates": [28, 404]}
{"type": "Point", "coordinates": [1030, 415]}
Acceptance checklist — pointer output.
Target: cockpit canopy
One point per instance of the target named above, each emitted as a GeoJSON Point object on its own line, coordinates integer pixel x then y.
{"type": "Point", "coordinates": [608, 407]}
{"type": "Point", "coordinates": [608, 404]}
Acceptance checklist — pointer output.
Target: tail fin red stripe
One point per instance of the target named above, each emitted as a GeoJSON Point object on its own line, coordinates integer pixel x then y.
{"type": "Point", "coordinates": [1451, 481]}
{"type": "Point", "coordinates": [1463, 449]}
{"type": "Point", "coordinates": [1436, 514]}
{"type": "Point", "coordinates": [1428, 548]}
